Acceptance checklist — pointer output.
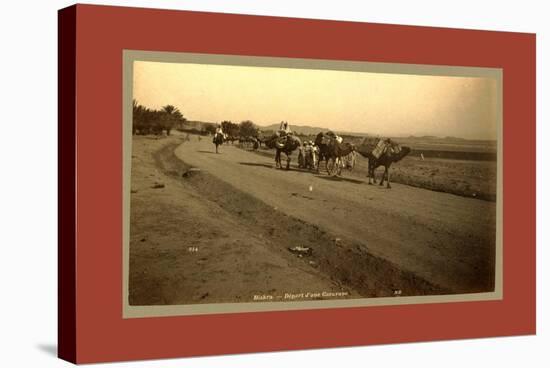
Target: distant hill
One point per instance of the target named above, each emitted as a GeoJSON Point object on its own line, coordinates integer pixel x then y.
{"type": "Point", "coordinates": [300, 129]}
{"type": "Point", "coordinates": [309, 130]}
{"type": "Point", "coordinates": [313, 130]}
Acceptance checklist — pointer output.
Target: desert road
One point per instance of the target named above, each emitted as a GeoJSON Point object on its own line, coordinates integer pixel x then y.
{"type": "Point", "coordinates": [442, 238]}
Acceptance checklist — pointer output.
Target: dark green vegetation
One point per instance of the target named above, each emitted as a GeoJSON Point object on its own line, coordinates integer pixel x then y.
{"type": "Point", "coordinates": [150, 121]}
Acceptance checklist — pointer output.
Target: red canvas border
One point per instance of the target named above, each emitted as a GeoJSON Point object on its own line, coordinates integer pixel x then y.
{"type": "Point", "coordinates": [95, 287]}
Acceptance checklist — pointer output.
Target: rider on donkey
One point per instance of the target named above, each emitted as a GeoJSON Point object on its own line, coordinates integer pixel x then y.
{"type": "Point", "coordinates": [219, 130]}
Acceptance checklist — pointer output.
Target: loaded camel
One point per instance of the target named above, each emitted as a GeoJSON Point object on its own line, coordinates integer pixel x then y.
{"type": "Point", "coordinates": [332, 151]}
{"type": "Point", "coordinates": [285, 144]}
{"type": "Point", "coordinates": [390, 152]}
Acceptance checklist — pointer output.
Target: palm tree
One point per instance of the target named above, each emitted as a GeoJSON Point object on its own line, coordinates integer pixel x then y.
{"type": "Point", "coordinates": [179, 119]}
{"type": "Point", "coordinates": [138, 112]}
{"type": "Point", "coordinates": [170, 109]}
{"type": "Point", "coordinates": [173, 115]}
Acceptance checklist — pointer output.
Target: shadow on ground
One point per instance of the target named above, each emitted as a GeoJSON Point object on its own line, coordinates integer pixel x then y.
{"type": "Point", "coordinates": [269, 166]}
{"type": "Point", "coordinates": [272, 166]}
{"type": "Point", "coordinates": [339, 178]}
{"type": "Point", "coordinates": [207, 152]}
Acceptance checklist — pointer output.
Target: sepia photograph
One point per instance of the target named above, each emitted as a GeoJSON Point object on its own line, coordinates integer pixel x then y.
{"type": "Point", "coordinates": [258, 184]}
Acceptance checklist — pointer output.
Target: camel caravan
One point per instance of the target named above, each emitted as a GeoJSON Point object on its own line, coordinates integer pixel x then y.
{"type": "Point", "coordinates": [329, 148]}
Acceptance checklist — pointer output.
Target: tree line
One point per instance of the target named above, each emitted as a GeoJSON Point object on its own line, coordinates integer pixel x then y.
{"type": "Point", "coordinates": [151, 121]}
{"type": "Point", "coordinates": [169, 117]}
{"type": "Point", "coordinates": [245, 129]}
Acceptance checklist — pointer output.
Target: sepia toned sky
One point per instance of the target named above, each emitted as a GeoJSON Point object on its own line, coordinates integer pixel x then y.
{"type": "Point", "coordinates": [375, 103]}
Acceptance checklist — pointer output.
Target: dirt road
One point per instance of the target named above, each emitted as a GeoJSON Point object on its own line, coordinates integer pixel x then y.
{"type": "Point", "coordinates": [444, 239]}
{"type": "Point", "coordinates": [209, 228]}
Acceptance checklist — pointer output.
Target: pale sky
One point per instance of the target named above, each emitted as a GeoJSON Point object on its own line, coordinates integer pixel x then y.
{"type": "Point", "coordinates": [376, 103]}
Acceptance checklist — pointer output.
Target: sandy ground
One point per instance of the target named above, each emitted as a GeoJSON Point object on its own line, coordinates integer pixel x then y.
{"type": "Point", "coordinates": [218, 228]}
{"type": "Point", "coordinates": [475, 179]}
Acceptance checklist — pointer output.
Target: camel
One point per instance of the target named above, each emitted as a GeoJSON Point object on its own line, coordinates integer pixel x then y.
{"type": "Point", "coordinates": [262, 140]}
{"type": "Point", "coordinates": [231, 139]}
{"type": "Point", "coordinates": [286, 144]}
{"type": "Point", "coordinates": [218, 140]}
{"type": "Point", "coordinates": [392, 153]}
{"type": "Point", "coordinates": [248, 142]}
{"type": "Point", "coordinates": [332, 152]}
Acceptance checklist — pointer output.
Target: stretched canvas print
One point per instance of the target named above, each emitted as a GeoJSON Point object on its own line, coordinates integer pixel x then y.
{"type": "Point", "coordinates": [249, 184]}
{"type": "Point", "coordinates": [244, 178]}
